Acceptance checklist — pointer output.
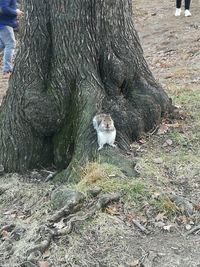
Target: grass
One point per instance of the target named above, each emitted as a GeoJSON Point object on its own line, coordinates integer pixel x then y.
{"type": "Point", "coordinates": [179, 166]}
{"type": "Point", "coordinates": [110, 179]}
{"type": "Point", "coordinates": [165, 205]}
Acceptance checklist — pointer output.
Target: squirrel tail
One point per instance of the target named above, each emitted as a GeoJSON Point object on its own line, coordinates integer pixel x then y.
{"type": "Point", "coordinates": [95, 123]}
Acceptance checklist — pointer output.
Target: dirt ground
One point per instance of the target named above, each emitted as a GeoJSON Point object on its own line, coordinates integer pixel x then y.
{"type": "Point", "coordinates": [168, 162]}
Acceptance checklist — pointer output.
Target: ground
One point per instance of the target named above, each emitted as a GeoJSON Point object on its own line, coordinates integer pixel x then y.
{"type": "Point", "coordinates": [163, 198]}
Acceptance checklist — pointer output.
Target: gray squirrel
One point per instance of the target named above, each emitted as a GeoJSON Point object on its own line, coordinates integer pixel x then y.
{"type": "Point", "coordinates": [106, 132]}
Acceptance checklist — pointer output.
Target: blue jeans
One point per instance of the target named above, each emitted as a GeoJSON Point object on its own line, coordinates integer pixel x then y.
{"type": "Point", "coordinates": [8, 44]}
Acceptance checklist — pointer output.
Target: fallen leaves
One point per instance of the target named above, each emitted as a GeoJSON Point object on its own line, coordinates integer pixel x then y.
{"type": "Point", "coordinates": [43, 264]}
{"type": "Point", "coordinates": [161, 217]}
{"type": "Point", "coordinates": [114, 209]}
{"type": "Point", "coordinates": [168, 142]}
{"type": "Point", "coordinates": [162, 129]}
{"type": "Point", "coordinates": [165, 126]}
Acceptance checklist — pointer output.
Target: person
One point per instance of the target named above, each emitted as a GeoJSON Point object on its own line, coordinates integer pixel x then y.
{"type": "Point", "coordinates": [187, 8]}
{"type": "Point", "coordinates": [8, 21]}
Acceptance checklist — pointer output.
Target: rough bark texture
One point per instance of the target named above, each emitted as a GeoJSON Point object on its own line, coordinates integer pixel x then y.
{"type": "Point", "coordinates": [77, 58]}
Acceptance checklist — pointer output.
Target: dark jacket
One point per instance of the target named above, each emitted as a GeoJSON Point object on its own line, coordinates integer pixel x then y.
{"type": "Point", "coordinates": [8, 15]}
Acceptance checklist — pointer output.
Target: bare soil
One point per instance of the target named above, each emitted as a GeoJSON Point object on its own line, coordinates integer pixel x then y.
{"type": "Point", "coordinates": [110, 238]}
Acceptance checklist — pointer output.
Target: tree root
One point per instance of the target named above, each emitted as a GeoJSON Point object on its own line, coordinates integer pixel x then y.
{"type": "Point", "coordinates": [65, 211]}
{"type": "Point", "coordinates": [185, 205]}
{"type": "Point", "coordinates": [42, 246]}
{"type": "Point", "coordinates": [102, 202]}
{"type": "Point", "coordinates": [193, 230]}
{"type": "Point", "coordinates": [27, 264]}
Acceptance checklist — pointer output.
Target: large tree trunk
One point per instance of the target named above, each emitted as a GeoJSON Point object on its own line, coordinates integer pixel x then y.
{"type": "Point", "coordinates": [76, 58]}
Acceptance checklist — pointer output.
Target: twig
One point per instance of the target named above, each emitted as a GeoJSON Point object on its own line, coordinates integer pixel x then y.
{"type": "Point", "coordinates": [153, 130]}
{"type": "Point", "coordinates": [194, 229]}
{"type": "Point", "coordinates": [50, 176]}
{"type": "Point", "coordinates": [66, 210]}
{"type": "Point", "coordinates": [141, 227]}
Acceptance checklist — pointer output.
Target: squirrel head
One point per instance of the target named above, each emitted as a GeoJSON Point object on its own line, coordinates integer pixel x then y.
{"type": "Point", "coordinates": [107, 122]}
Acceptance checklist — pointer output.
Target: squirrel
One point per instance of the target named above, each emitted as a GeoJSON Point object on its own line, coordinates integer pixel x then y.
{"type": "Point", "coordinates": [106, 132]}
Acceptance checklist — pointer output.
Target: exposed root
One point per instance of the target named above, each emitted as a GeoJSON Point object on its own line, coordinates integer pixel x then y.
{"type": "Point", "coordinates": [71, 219]}
{"type": "Point", "coordinates": [193, 230]}
{"type": "Point", "coordinates": [185, 205]}
{"type": "Point", "coordinates": [65, 211]}
{"type": "Point", "coordinates": [43, 245]}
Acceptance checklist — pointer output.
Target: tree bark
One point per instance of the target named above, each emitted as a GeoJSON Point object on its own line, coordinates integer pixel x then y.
{"type": "Point", "coordinates": [77, 58]}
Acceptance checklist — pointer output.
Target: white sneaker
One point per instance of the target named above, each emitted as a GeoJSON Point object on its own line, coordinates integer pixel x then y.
{"type": "Point", "coordinates": [178, 12]}
{"type": "Point", "coordinates": [187, 13]}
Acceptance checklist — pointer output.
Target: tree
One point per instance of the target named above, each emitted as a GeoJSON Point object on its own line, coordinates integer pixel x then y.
{"type": "Point", "coordinates": [76, 58]}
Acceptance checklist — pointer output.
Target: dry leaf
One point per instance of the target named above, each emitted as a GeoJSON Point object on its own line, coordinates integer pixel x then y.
{"type": "Point", "coordinates": [174, 125]}
{"type": "Point", "coordinates": [183, 219]}
{"type": "Point", "coordinates": [14, 215]}
{"type": "Point", "coordinates": [160, 217]}
{"type": "Point", "coordinates": [159, 224]}
{"type": "Point", "coordinates": [162, 129]}
{"type": "Point", "coordinates": [188, 227]}
{"type": "Point", "coordinates": [59, 225]}
{"type": "Point", "coordinates": [168, 142]}
{"type": "Point", "coordinates": [197, 207]}
{"type": "Point", "coordinates": [142, 141]}
{"type": "Point", "coordinates": [4, 234]}
{"type": "Point", "coordinates": [134, 263]}
{"type": "Point", "coordinates": [43, 264]}
{"type": "Point", "coordinates": [112, 210]}
{"type": "Point", "coordinates": [130, 217]}
{"type": "Point", "coordinates": [46, 254]}
{"type": "Point", "coordinates": [167, 227]}
{"type": "Point", "coordinates": [9, 212]}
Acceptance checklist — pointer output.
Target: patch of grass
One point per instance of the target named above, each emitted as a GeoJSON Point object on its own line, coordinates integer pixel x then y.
{"type": "Point", "coordinates": [110, 179]}
{"type": "Point", "coordinates": [151, 171]}
{"type": "Point", "coordinates": [165, 205]}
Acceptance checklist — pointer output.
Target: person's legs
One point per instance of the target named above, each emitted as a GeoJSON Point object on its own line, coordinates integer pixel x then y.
{"type": "Point", "coordinates": [178, 8]}
{"type": "Point", "coordinates": [187, 4]}
{"type": "Point", "coordinates": [178, 3]}
{"type": "Point", "coordinates": [8, 39]}
{"type": "Point", "coordinates": [187, 7]}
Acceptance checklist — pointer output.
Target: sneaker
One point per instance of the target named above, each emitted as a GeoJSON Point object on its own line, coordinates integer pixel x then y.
{"type": "Point", "coordinates": [178, 12]}
{"type": "Point", "coordinates": [187, 13]}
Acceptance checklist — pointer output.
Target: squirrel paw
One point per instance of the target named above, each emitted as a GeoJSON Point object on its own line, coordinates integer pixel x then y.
{"type": "Point", "coordinates": [113, 145]}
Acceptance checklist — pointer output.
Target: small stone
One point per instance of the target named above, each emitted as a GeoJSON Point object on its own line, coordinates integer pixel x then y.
{"type": "Point", "coordinates": [158, 160]}
{"type": "Point", "coordinates": [94, 191]}
{"type": "Point", "coordinates": [134, 263]}
{"type": "Point", "coordinates": [168, 142]}
{"type": "Point", "coordinates": [66, 196]}
{"type": "Point", "coordinates": [188, 227]}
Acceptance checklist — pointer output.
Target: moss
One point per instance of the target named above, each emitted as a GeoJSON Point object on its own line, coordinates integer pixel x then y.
{"type": "Point", "coordinates": [110, 179]}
